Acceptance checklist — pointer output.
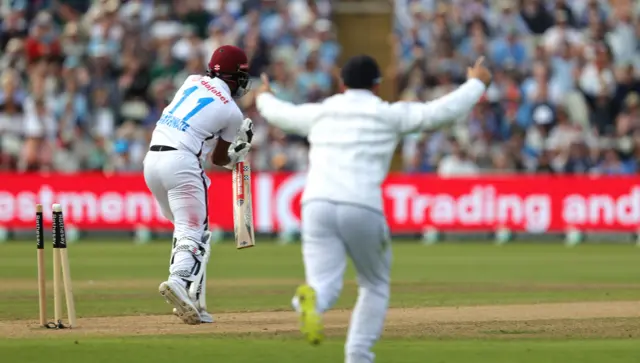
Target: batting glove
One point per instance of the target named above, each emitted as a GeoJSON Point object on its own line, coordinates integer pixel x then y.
{"type": "Point", "coordinates": [237, 153]}
{"type": "Point", "coordinates": [245, 134]}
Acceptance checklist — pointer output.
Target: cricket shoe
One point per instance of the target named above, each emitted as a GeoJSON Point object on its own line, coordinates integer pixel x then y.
{"type": "Point", "coordinates": [205, 317]}
{"type": "Point", "coordinates": [176, 295]}
{"type": "Point", "coordinates": [310, 321]}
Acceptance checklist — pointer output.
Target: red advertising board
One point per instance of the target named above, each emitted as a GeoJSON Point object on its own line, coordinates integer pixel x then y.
{"type": "Point", "coordinates": [412, 202]}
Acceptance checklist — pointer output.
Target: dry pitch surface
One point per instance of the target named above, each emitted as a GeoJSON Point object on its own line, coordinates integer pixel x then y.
{"type": "Point", "coordinates": [559, 320]}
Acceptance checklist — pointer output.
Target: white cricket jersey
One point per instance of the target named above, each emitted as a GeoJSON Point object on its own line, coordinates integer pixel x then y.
{"type": "Point", "coordinates": [201, 111]}
{"type": "Point", "coordinates": [353, 137]}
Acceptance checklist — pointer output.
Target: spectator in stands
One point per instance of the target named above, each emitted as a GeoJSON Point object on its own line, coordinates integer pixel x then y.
{"type": "Point", "coordinates": [102, 128]}
{"type": "Point", "coordinates": [536, 16]}
{"type": "Point", "coordinates": [43, 41]}
{"type": "Point", "coordinates": [40, 130]}
{"type": "Point", "coordinates": [476, 43]}
{"type": "Point", "coordinates": [524, 157]}
{"type": "Point", "coordinates": [578, 160]}
{"type": "Point", "coordinates": [457, 163]}
{"type": "Point", "coordinates": [544, 163]}
{"type": "Point", "coordinates": [257, 51]}
{"type": "Point", "coordinates": [627, 83]}
{"type": "Point", "coordinates": [164, 28]}
{"type": "Point", "coordinates": [563, 6]}
{"type": "Point", "coordinates": [537, 134]}
{"type": "Point", "coordinates": [14, 26]}
{"type": "Point", "coordinates": [193, 65]}
{"type": "Point", "coordinates": [508, 20]}
{"type": "Point", "coordinates": [324, 40]}
{"type": "Point", "coordinates": [137, 11]}
{"type": "Point", "coordinates": [73, 48]}
{"type": "Point", "coordinates": [188, 45]}
{"type": "Point", "coordinates": [11, 118]}
{"type": "Point", "coordinates": [129, 148]}
{"type": "Point", "coordinates": [541, 87]}
{"type": "Point", "coordinates": [134, 79]}
{"type": "Point", "coordinates": [165, 65]}
{"type": "Point", "coordinates": [71, 108]}
{"type": "Point", "coordinates": [282, 81]}
{"type": "Point", "coordinates": [106, 31]}
{"type": "Point", "coordinates": [611, 164]}
{"type": "Point", "coordinates": [508, 50]}
{"type": "Point", "coordinates": [313, 83]}
{"type": "Point", "coordinates": [561, 33]}
{"type": "Point", "coordinates": [635, 158]}
{"type": "Point", "coordinates": [217, 37]}
{"type": "Point", "coordinates": [562, 67]}
{"type": "Point", "coordinates": [13, 57]}
{"type": "Point", "coordinates": [67, 10]}
{"type": "Point", "coordinates": [597, 77]}
{"type": "Point", "coordinates": [102, 72]}
{"type": "Point", "coordinates": [564, 132]}
{"type": "Point", "coordinates": [503, 163]}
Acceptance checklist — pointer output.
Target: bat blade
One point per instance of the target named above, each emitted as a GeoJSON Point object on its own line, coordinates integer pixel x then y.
{"type": "Point", "coordinates": [242, 206]}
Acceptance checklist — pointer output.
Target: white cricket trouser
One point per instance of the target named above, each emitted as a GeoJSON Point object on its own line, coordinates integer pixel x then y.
{"type": "Point", "coordinates": [180, 185]}
{"type": "Point", "coordinates": [331, 232]}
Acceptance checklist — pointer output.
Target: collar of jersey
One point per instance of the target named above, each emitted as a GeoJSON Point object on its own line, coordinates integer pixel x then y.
{"type": "Point", "coordinates": [222, 84]}
{"type": "Point", "coordinates": [359, 92]}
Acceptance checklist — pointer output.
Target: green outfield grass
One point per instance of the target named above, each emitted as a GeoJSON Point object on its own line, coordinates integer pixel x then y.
{"type": "Point", "coordinates": [121, 279]}
{"type": "Point", "coordinates": [181, 348]}
{"type": "Point", "coordinates": [423, 276]}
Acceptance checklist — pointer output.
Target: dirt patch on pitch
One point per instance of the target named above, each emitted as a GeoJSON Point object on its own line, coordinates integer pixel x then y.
{"type": "Point", "coordinates": [575, 320]}
{"type": "Point", "coordinates": [13, 285]}
{"type": "Point", "coordinates": [144, 284]}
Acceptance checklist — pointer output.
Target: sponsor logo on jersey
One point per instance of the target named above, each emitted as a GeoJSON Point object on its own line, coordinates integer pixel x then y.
{"type": "Point", "coordinates": [216, 92]}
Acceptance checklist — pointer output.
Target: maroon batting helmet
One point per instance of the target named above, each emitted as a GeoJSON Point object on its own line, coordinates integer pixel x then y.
{"type": "Point", "coordinates": [230, 64]}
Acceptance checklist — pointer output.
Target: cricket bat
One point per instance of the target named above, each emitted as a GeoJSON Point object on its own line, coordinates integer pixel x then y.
{"type": "Point", "coordinates": [242, 206]}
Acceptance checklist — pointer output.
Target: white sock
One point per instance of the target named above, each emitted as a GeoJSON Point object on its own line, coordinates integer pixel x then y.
{"type": "Point", "coordinates": [295, 304]}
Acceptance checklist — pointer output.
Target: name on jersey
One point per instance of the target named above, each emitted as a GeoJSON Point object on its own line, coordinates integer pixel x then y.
{"type": "Point", "coordinates": [211, 88]}
{"type": "Point", "coordinates": [173, 122]}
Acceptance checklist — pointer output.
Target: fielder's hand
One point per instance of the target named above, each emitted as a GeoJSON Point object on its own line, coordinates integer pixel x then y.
{"type": "Point", "coordinates": [479, 71]}
{"type": "Point", "coordinates": [265, 87]}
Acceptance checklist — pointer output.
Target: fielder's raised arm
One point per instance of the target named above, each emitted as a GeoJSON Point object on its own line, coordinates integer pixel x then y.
{"type": "Point", "coordinates": [416, 116]}
{"type": "Point", "coordinates": [292, 118]}
{"type": "Point", "coordinates": [403, 117]}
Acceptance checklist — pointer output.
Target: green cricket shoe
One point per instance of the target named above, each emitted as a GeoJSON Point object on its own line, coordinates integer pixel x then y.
{"type": "Point", "coordinates": [310, 321]}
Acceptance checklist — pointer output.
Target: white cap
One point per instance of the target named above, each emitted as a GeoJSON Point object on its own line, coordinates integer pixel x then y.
{"type": "Point", "coordinates": [543, 115]}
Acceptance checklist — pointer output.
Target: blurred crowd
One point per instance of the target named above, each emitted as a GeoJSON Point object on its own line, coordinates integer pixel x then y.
{"type": "Point", "coordinates": [82, 82]}
{"type": "Point", "coordinates": [566, 92]}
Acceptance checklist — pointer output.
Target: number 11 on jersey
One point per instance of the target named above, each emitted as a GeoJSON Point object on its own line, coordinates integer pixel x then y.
{"type": "Point", "coordinates": [201, 103]}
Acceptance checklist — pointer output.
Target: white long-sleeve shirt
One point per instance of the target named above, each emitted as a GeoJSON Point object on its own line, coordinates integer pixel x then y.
{"type": "Point", "coordinates": [353, 137]}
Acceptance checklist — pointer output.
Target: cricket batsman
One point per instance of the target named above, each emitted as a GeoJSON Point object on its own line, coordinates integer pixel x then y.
{"type": "Point", "coordinates": [353, 136]}
{"type": "Point", "coordinates": [202, 117]}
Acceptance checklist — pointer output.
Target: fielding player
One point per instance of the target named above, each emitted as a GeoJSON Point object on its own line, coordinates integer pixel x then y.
{"type": "Point", "coordinates": [203, 116]}
{"type": "Point", "coordinates": [353, 136]}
